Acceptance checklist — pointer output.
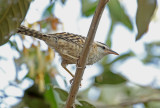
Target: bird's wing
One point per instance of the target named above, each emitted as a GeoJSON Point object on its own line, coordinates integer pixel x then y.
{"type": "Point", "coordinates": [77, 39]}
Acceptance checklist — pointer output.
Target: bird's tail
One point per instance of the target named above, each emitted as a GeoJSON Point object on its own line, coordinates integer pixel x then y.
{"type": "Point", "coordinates": [30, 32]}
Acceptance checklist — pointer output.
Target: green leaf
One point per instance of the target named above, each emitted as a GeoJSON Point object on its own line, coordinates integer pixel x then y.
{"type": "Point", "coordinates": [152, 54]}
{"type": "Point", "coordinates": [108, 41]}
{"type": "Point", "coordinates": [14, 45]}
{"type": "Point", "coordinates": [49, 10]}
{"type": "Point", "coordinates": [85, 104]}
{"type": "Point", "coordinates": [62, 94]}
{"type": "Point", "coordinates": [49, 94]}
{"type": "Point", "coordinates": [118, 14]}
{"type": "Point", "coordinates": [63, 1]}
{"type": "Point", "coordinates": [34, 99]}
{"type": "Point", "coordinates": [144, 14]}
{"type": "Point", "coordinates": [152, 104]}
{"type": "Point", "coordinates": [122, 57]}
{"type": "Point", "coordinates": [108, 77]}
{"type": "Point", "coordinates": [88, 7]}
{"type": "Point", "coordinates": [12, 13]}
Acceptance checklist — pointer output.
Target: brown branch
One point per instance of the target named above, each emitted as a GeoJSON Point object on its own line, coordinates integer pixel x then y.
{"type": "Point", "coordinates": [133, 102]}
{"type": "Point", "coordinates": [130, 102]}
{"type": "Point", "coordinates": [82, 60]}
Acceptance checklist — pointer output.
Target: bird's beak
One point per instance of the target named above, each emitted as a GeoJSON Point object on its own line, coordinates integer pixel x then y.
{"type": "Point", "coordinates": [111, 52]}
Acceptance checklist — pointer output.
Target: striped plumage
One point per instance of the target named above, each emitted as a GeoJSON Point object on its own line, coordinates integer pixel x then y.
{"type": "Point", "coordinates": [69, 46]}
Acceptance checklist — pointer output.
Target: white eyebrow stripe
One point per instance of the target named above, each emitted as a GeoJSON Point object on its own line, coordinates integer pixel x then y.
{"type": "Point", "coordinates": [101, 44]}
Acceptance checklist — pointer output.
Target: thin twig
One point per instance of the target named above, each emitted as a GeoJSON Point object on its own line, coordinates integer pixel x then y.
{"type": "Point", "coordinates": [133, 102]}
{"type": "Point", "coordinates": [130, 102]}
{"type": "Point", "coordinates": [82, 61]}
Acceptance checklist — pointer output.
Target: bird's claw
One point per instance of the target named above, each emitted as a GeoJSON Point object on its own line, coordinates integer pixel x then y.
{"type": "Point", "coordinates": [71, 82]}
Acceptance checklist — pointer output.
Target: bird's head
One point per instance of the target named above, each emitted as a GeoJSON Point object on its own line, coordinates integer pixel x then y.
{"type": "Point", "coordinates": [104, 49]}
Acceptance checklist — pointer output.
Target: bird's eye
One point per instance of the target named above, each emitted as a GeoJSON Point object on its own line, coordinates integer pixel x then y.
{"type": "Point", "coordinates": [103, 47]}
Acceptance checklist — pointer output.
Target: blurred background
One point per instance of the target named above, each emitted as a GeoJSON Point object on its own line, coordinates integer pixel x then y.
{"type": "Point", "coordinates": [31, 75]}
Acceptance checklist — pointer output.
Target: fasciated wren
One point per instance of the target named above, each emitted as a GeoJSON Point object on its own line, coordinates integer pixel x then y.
{"type": "Point", "coordinates": [69, 46]}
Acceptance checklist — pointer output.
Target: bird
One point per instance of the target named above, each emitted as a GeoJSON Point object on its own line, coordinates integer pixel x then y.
{"type": "Point", "coordinates": [69, 46]}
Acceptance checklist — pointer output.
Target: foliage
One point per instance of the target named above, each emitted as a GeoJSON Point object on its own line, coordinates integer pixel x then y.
{"type": "Point", "coordinates": [118, 14]}
{"type": "Point", "coordinates": [115, 90]}
{"type": "Point", "coordinates": [88, 7]}
{"type": "Point", "coordinates": [12, 13]}
{"type": "Point", "coordinates": [145, 12]}
{"type": "Point", "coordinates": [152, 57]}
{"type": "Point", "coordinates": [41, 71]}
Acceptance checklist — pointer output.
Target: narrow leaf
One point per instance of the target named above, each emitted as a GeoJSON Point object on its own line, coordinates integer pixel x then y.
{"type": "Point", "coordinates": [85, 104]}
{"type": "Point", "coordinates": [49, 94]}
{"type": "Point", "coordinates": [63, 1]}
{"type": "Point", "coordinates": [144, 14]}
{"type": "Point", "coordinates": [118, 14]}
{"type": "Point", "coordinates": [62, 94]}
{"type": "Point", "coordinates": [108, 77]}
{"type": "Point", "coordinates": [49, 10]}
{"type": "Point", "coordinates": [88, 7]}
{"type": "Point", "coordinates": [123, 57]}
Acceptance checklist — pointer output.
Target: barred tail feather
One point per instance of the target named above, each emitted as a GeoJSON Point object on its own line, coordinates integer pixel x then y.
{"type": "Point", "coordinates": [30, 32]}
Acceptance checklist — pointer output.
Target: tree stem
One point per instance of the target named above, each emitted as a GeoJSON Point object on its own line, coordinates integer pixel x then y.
{"type": "Point", "coordinates": [84, 55]}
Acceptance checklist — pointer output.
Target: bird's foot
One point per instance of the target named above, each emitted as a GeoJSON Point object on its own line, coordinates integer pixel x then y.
{"type": "Point", "coordinates": [71, 82]}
